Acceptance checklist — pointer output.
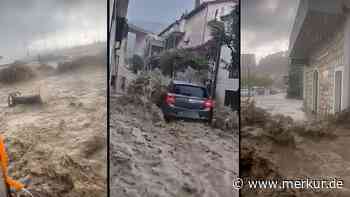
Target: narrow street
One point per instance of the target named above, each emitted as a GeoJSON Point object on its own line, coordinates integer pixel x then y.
{"type": "Point", "coordinates": [162, 159]}
{"type": "Point", "coordinates": [174, 73]}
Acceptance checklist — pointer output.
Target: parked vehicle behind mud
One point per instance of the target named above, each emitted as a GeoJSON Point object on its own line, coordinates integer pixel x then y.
{"type": "Point", "coordinates": [187, 100]}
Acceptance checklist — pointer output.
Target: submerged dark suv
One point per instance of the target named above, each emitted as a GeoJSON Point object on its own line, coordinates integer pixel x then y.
{"type": "Point", "coordinates": [187, 100]}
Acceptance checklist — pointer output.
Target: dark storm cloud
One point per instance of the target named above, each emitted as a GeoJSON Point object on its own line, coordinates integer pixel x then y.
{"type": "Point", "coordinates": [266, 25]}
{"type": "Point", "coordinates": [23, 23]}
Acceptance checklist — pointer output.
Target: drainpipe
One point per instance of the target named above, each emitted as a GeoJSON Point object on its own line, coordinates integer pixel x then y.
{"type": "Point", "coordinates": [205, 26]}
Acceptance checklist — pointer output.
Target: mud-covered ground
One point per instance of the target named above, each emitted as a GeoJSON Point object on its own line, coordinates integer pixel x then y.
{"type": "Point", "coordinates": [282, 149]}
{"type": "Point", "coordinates": [60, 144]}
{"type": "Point", "coordinates": [151, 158]}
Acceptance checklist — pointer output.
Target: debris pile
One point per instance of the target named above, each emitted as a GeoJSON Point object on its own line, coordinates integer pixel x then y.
{"type": "Point", "coordinates": [148, 87]}
{"type": "Point", "coordinates": [341, 118]}
{"type": "Point", "coordinates": [144, 96]}
{"type": "Point", "coordinates": [278, 128]}
{"type": "Point", "coordinates": [282, 129]}
{"type": "Point", "coordinates": [15, 73]}
{"type": "Point", "coordinates": [252, 115]}
{"type": "Point", "coordinates": [255, 166]}
{"type": "Point", "coordinates": [46, 70]}
{"type": "Point", "coordinates": [274, 147]}
{"type": "Point", "coordinates": [225, 118]}
{"type": "Point", "coordinates": [81, 63]}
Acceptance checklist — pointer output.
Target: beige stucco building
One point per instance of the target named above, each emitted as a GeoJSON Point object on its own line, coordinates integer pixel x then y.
{"type": "Point", "coordinates": [320, 42]}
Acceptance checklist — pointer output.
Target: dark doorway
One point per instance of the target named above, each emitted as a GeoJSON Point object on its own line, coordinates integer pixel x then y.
{"type": "Point", "coordinates": [315, 92]}
{"type": "Point", "coordinates": [338, 90]}
{"type": "Point", "coordinates": [232, 99]}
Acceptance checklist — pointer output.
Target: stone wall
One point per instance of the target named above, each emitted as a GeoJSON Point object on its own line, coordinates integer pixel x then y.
{"type": "Point", "coordinates": [324, 59]}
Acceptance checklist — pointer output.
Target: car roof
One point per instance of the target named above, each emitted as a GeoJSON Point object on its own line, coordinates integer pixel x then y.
{"type": "Point", "coordinates": [177, 82]}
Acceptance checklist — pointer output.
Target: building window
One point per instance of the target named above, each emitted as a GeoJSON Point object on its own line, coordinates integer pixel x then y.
{"type": "Point", "coordinates": [232, 73]}
{"type": "Point", "coordinates": [123, 83]}
{"type": "Point", "coordinates": [167, 43]}
{"type": "Point", "coordinates": [121, 29]}
{"type": "Point", "coordinates": [115, 65]}
{"type": "Point", "coordinates": [338, 86]}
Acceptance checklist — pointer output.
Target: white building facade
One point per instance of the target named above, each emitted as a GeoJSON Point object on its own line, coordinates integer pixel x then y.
{"type": "Point", "coordinates": [193, 30]}
{"type": "Point", "coordinates": [227, 85]}
{"type": "Point", "coordinates": [119, 75]}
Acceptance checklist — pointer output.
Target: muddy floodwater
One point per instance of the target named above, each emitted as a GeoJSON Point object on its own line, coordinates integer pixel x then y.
{"type": "Point", "coordinates": [181, 158]}
{"type": "Point", "coordinates": [279, 104]}
{"type": "Point", "coordinates": [279, 148]}
{"type": "Point", "coordinates": [60, 144]}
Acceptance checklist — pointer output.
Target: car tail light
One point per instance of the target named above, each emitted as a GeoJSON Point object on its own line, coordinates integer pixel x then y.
{"type": "Point", "coordinates": [170, 99]}
{"type": "Point", "coordinates": [209, 103]}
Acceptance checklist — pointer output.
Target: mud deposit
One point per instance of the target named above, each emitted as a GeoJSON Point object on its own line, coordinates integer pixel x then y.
{"type": "Point", "coordinates": [151, 158]}
{"type": "Point", "coordinates": [60, 144]}
{"type": "Point", "coordinates": [278, 148]}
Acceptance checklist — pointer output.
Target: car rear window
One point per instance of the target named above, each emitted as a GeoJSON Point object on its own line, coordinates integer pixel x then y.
{"type": "Point", "coordinates": [188, 90]}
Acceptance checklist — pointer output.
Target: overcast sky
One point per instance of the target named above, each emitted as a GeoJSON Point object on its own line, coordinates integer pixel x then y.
{"type": "Point", "coordinates": [41, 24]}
{"type": "Point", "coordinates": [158, 11]}
{"type": "Point", "coordinates": [266, 25]}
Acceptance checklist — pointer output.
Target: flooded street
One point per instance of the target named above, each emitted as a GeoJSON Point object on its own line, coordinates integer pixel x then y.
{"type": "Point", "coordinates": [61, 144]}
{"type": "Point", "coordinates": [279, 104]}
{"type": "Point", "coordinates": [169, 159]}
{"type": "Point", "coordinates": [280, 148]}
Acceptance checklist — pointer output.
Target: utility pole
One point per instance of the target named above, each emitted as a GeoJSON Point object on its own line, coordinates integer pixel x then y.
{"type": "Point", "coordinates": [173, 70]}
{"type": "Point", "coordinates": [217, 66]}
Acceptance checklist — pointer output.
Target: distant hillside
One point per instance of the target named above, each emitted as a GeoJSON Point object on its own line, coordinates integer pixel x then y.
{"type": "Point", "coordinates": [275, 66]}
{"type": "Point", "coordinates": [84, 50]}
{"type": "Point", "coordinates": [248, 63]}
{"type": "Point", "coordinates": [5, 61]}
{"type": "Point", "coordinates": [74, 52]}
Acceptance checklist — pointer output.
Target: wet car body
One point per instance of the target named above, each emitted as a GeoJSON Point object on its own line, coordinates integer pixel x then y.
{"type": "Point", "coordinates": [188, 101]}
